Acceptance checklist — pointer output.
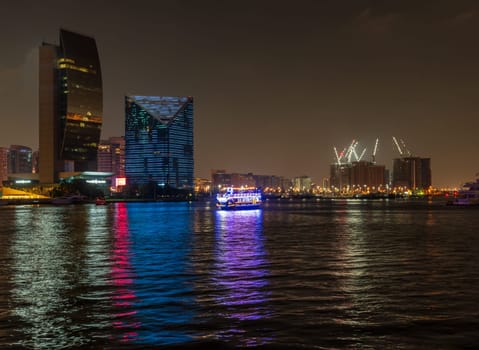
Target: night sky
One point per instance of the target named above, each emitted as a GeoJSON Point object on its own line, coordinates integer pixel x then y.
{"type": "Point", "coordinates": [276, 84]}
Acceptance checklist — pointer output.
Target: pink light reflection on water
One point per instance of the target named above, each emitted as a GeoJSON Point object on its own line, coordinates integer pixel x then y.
{"type": "Point", "coordinates": [121, 276]}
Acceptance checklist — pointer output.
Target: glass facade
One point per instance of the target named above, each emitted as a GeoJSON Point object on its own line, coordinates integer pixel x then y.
{"type": "Point", "coordinates": [20, 159]}
{"type": "Point", "coordinates": [80, 100]}
{"type": "Point", "coordinates": [159, 140]}
{"type": "Point", "coordinates": [111, 156]}
{"type": "Point", "coordinates": [70, 106]}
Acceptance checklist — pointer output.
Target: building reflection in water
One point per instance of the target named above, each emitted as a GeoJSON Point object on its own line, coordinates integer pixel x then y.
{"type": "Point", "coordinates": [122, 275]}
{"type": "Point", "coordinates": [160, 257]}
{"type": "Point", "coordinates": [241, 274]}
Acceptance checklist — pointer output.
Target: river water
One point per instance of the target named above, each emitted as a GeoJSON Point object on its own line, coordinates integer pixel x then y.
{"type": "Point", "coordinates": [344, 274]}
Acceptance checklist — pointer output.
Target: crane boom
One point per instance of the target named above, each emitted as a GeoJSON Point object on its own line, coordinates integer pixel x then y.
{"type": "Point", "coordinates": [404, 147]}
{"type": "Point", "coordinates": [376, 147]}
{"type": "Point", "coordinates": [352, 150]}
{"type": "Point", "coordinates": [375, 150]}
{"type": "Point", "coordinates": [338, 157]}
{"type": "Point", "coordinates": [397, 145]}
{"type": "Point", "coordinates": [362, 154]}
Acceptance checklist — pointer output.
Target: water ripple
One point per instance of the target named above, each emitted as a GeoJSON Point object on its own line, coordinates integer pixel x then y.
{"type": "Point", "coordinates": [293, 275]}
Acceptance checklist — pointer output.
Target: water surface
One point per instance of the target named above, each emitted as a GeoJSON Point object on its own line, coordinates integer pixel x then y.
{"type": "Point", "coordinates": [332, 275]}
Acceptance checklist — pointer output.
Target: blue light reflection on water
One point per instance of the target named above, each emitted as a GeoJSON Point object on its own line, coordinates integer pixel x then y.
{"type": "Point", "coordinates": [161, 244]}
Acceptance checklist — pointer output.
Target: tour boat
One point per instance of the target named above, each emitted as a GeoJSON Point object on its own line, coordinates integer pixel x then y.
{"type": "Point", "coordinates": [468, 195]}
{"type": "Point", "coordinates": [239, 198]}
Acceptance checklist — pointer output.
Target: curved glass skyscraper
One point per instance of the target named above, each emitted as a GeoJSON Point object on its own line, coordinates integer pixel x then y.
{"type": "Point", "coordinates": [71, 106]}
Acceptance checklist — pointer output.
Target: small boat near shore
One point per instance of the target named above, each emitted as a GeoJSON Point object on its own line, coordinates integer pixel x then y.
{"type": "Point", "coordinates": [100, 201]}
{"type": "Point", "coordinates": [468, 195]}
{"type": "Point", "coordinates": [75, 199]}
{"type": "Point", "coordinates": [239, 198]}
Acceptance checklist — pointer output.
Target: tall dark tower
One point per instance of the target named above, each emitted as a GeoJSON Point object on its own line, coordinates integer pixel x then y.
{"type": "Point", "coordinates": [70, 106]}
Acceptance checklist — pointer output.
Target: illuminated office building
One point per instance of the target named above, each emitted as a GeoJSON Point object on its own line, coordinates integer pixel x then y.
{"type": "Point", "coordinates": [111, 156]}
{"type": "Point", "coordinates": [159, 141]}
{"type": "Point", "coordinates": [19, 159]}
{"type": "Point", "coordinates": [70, 106]}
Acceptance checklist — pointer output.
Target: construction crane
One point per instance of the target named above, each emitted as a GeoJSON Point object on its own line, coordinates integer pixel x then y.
{"type": "Point", "coordinates": [404, 152]}
{"type": "Point", "coordinates": [375, 150]}
{"type": "Point", "coordinates": [405, 148]}
{"type": "Point", "coordinates": [338, 157]}
{"type": "Point", "coordinates": [346, 155]}
{"type": "Point", "coordinates": [362, 154]}
{"type": "Point", "coordinates": [397, 145]}
{"type": "Point", "coordinates": [351, 150]}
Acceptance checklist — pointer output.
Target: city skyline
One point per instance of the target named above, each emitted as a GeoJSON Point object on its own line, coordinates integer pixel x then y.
{"type": "Point", "coordinates": [288, 82]}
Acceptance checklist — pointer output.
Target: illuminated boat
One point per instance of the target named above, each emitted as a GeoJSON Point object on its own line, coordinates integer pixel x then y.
{"type": "Point", "coordinates": [239, 198]}
{"type": "Point", "coordinates": [468, 195]}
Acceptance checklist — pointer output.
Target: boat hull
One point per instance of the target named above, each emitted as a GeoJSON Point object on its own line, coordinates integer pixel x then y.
{"type": "Point", "coordinates": [100, 201]}
{"type": "Point", "coordinates": [237, 206]}
{"type": "Point", "coordinates": [463, 202]}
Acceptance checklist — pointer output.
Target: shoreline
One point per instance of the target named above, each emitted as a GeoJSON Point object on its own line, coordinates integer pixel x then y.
{"type": "Point", "coordinates": [48, 201]}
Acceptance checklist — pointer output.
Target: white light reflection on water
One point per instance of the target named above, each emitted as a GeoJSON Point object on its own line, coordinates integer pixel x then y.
{"type": "Point", "coordinates": [41, 278]}
{"type": "Point", "coordinates": [240, 272]}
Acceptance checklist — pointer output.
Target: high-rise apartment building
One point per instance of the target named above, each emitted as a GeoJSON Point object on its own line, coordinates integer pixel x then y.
{"type": "Point", "coordinates": [159, 140]}
{"type": "Point", "coordinates": [111, 156]}
{"type": "Point", "coordinates": [220, 179]}
{"type": "Point", "coordinates": [19, 159]}
{"type": "Point", "coordinates": [3, 164]}
{"type": "Point", "coordinates": [360, 175]}
{"type": "Point", "coordinates": [70, 106]}
{"type": "Point", "coordinates": [412, 173]}
{"type": "Point", "coordinates": [302, 184]}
